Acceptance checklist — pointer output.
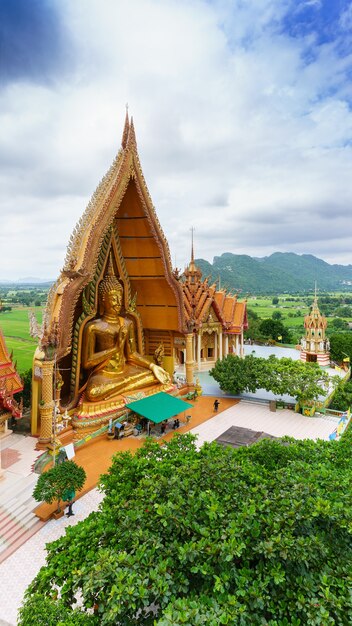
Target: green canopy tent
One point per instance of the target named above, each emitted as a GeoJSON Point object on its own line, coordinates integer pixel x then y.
{"type": "Point", "coordinates": [159, 407]}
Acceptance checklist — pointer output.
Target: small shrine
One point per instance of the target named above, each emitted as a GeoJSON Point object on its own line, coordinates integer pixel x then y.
{"type": "Point", "coordinates": [216, 318]}
{"type": "Point", "coordinates": [315, 347]}
{"type": "Point", "coordinates": [10, 384]}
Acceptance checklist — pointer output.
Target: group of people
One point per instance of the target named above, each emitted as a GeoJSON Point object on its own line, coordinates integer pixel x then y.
{"type": "Point", "coordinates": [176, 424]}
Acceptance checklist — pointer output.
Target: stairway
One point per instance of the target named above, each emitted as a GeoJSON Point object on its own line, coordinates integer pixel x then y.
{"type": "Point", "coordinates": [17, 520]}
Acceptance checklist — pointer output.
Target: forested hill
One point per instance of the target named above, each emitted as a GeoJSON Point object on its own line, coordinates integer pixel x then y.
{"type": "Point", "coordinates": [278, 273]}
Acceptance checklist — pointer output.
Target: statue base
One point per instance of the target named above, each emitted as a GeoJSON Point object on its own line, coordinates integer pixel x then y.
{"type": "Point", "coordinates": [91, 416]}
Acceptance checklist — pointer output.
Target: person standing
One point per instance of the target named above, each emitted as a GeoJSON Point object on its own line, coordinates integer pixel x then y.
{"type": "Point", "coordinates": [216, 405]}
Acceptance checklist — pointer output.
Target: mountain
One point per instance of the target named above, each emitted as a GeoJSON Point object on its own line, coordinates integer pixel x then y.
{"type": "Point", "coordinates": [280, 272]}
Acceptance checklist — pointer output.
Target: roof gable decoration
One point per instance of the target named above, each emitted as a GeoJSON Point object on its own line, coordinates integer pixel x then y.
{"type": "Point", "coordinates": [10, 383]}
{"type": "Point", "coordinates": [90, 232]}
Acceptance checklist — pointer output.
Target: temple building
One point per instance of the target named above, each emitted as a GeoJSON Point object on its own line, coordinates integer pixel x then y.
{"type": "Point", "coordinates": [315, 347]}
{"type": "Point", "coordinates": [10, 384]}
{"type": "Point", "coordinates": [216, 318]}
{"type": "Point", "coordinates": [118, 320]}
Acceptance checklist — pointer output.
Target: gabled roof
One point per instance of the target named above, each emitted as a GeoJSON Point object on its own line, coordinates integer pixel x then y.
{"type": "Point", "coordinates": [199, 297]}
{"type": "Point", "coordinates": [122, 188]}
{"type": "Point", "coordinates": [10, 382]}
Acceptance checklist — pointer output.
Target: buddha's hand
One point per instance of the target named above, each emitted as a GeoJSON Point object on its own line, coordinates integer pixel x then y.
{"type": "Point", "coordinates": [160, 374]}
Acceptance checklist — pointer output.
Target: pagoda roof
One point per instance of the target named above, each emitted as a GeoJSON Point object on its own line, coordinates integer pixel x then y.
{"type": "Point", "coordinates": [315, 319]}
{"type": "Point", "coordinates": [200, 297]}
{"type": "Point", "coordinates": [10, 382]}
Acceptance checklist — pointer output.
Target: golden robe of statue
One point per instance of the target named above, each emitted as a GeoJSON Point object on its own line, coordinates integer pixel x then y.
{"type": "Point", "coordinates": [109, 349]}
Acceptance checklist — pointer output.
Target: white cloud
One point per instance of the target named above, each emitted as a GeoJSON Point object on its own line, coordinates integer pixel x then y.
{"type": "Point", "coordinates": [241, 132]}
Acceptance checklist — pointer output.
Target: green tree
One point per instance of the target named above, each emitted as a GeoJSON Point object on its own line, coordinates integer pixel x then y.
{"type": "Point", "coordinates": [272, 329]}
{"type": "Point", "coordinates": [27, 387]}
{"type": "Point", "coordinates": [338, 324]}
{"type": "Point", "coordinates": [343, 311]}
{"type": "Point", "coordinates": [63, 477]}
{"type": "Point", "coordinates": [277, 315]}
{"type": "Point", "coordinates": [258, 535]}
{"type": "Point", "coordinates": [275, 300]}
{"type": "Point", "coordinates": [342, 400]}
{"type": "Point", "coordinates": [304, 381]}
{"type": "Point", "coordinates": [236, 375]}
{"type": "Point", "coordinates": [341, 346]}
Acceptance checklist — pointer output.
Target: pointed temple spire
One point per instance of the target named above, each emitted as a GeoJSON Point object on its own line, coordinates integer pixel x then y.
{"type": "Point", "coordinates": [192, 248]}
{"type": "Point", "coordinates": [132, 135]}
{"type": "Point", "coordinates": [125, 130]}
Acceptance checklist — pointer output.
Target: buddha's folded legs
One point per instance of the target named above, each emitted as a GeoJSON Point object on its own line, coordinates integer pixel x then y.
{"type": "Point", "coordinates": [103, 385]}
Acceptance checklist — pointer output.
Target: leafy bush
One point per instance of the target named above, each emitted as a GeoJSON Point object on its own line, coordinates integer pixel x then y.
{"type": "Point", "coordinates": [253, 536]}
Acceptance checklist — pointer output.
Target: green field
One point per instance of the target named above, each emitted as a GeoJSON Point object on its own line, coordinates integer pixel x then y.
{"type": "Point", "coordinates": [293, 310]}
{"type": "Point", "coordinates": [15, 327]}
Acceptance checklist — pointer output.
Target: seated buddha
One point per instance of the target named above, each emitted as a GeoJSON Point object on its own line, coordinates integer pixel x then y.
{"type": "Point", "coordinates": [109, 349]}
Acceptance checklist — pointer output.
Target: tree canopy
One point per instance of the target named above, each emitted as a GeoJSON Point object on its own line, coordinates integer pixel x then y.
{"type": "Point", "coordinates": [303, 381]}
{"type": "Point", "coordinates": [252, 536]}
{"type": "Point", "coordinates": [64, 477]}
{"type": "Point", "coordinates": [273, 329]}
{"type": "Point", "coordinates": [341, 346]}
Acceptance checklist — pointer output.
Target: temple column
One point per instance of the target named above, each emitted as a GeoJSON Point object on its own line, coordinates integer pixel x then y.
{"type": "Point", "coordinates": [216, 346]}
{"type": "Point", "coordinates": [226, 345]}
{"type": "Point", "coordinates": [220, 345]}
{"type": "Point", "coordinates": [189, 359]}
{"type": "Point", "coordinates": [199, 347]}
{"type": "Point", "coordinates": [47, 403]}
{"type": "Point", "coordinates": [241, 348]}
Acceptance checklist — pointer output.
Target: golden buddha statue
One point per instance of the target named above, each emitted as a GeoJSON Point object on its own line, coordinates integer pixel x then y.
{"type": "Point", "coordinates": [109, 349]}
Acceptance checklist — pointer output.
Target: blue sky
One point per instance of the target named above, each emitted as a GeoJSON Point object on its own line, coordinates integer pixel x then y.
{"type": "Point", "coordinates": [242, 111]}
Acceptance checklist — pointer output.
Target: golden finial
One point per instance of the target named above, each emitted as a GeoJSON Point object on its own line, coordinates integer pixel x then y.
{"type": "Point", "coordinates": [192, 248]}
{"type": "Point", "coordinates": [110, 271]}
{"type": "Point", "coordinates": [125, 130]}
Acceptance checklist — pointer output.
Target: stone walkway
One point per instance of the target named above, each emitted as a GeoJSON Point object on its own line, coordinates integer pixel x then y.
{"type": "Point", "coordinates": [21, 567]}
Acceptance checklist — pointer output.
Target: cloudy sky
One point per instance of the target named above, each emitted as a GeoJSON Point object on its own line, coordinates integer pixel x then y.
{"type": "Point", "coordinates": [242, 111]}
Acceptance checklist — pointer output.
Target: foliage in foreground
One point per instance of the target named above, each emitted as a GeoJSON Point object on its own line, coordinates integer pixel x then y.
{"type": "Point", "coordinates": [303, 381]}
{"type": "Point", "coordinates": [341, 346]}
{"type": "Point", "coordinates": [254, 536]}
{"type": "Point", "coordinates": [65, 477]}
{"type": "Point", "coordinates": [342, 400]}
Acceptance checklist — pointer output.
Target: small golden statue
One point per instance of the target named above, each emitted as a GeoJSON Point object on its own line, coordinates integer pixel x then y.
{"type": "Point", "coordinates": [159, 354]}
{"type": "Point", "coordinates": [109, 349]}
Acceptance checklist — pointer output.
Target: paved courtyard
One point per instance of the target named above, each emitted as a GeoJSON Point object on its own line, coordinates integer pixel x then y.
{"type": "Point", "coordinates": [18, 570]}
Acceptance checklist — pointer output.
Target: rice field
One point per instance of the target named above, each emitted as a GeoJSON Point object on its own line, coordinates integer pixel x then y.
{"type": "Point", "coordinates": [15, 327]}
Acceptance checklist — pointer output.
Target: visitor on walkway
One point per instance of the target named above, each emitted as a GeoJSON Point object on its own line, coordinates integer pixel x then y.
{"type": "Point", "coordinates": [216, 405]}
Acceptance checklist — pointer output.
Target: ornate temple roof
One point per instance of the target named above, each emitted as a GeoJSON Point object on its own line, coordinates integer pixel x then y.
{"type": "Point", "coordinates": [200, 298]}
{"type": "Point", "coordinates": [121, 208]}
{"type": "Point", "coordinates": [315, 319]}
{"type": "Point", "coordinates": [10, 383]}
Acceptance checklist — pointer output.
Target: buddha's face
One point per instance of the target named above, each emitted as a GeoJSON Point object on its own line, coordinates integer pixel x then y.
{"type": "Point", "coordinates": [113, 302]}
